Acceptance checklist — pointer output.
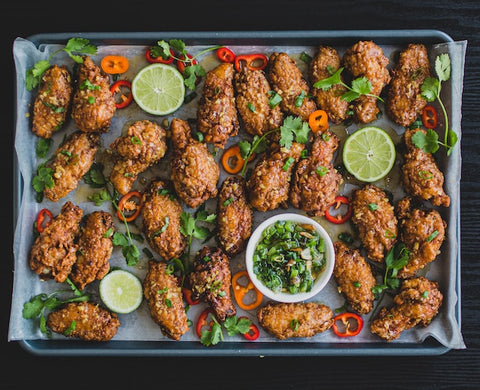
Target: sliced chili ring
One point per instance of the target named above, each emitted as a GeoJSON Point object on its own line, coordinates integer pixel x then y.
{"type": "Point", "coordinates": [202, 321]}
{"type": "Point", "coordinates": [224, 54]}
{"type": "Point", "coordinates": [128, 210]}
{"type": "Point", "coordinates": [117, 87]}
{"type": "Point", "coordinates": [183, 62]}
{"type": "Point", "coordinates": [187, 294]}
{"type": "Point", "coordinates": [253, 332]}
{"type": "Point", "coordinates": [44, 219]}
{"type": "Point", "coordinates": [318, 121]}
{"type": "Point", "coordinates": [347, 319]}
{"type": "Point", "coordinates": [240, 291]}
{"type": "Point", "coordinates": [429, 117]}
{"type": "Point", "coordinates": [255, 61]}
{"type": "Point", "coordinates": [152, 59]}
{"type": "Point", "coordinates": [339, 218]}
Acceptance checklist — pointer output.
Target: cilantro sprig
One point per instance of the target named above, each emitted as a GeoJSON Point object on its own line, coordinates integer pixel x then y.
{"type": "Point", "coordinates": [233, 325]}
{"type": "Point", "coordinates": [395, 260]}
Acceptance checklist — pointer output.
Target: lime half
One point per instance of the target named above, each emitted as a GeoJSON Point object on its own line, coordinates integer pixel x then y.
{"type": "Point", "coordinates": [369, 154]}
{"type": "Point", "coordinates": [121, 291]}
{"type": "Point", "coordinates": [158, 89]}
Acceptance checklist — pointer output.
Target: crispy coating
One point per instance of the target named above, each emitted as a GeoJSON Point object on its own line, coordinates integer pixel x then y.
{"type": "Point", "coordinates": [374, 217]}
{"type": "Point", "coordinates": [144, 144]}
{"type": "Point", "coordinates": [84, 320]}
{"type": "Point", "coordinates": [287, 80]}
{"type": "Point", "coordinates": [217, 114]}
{"type": "Point", "coordinates": [252, 95]}
{"type": "Point", "coordinates": [71, 161]}
{"type": "Point", "coordinates": [194, 171]}
{"type": "Point", "coordinates": [54, 251]}
{"type": "Point", "coordinates": [423, 233]}
{"type": "Point", "coordinates": [165, 300]}
{"type": "Point", "coordinates": [404, 100]}
{"type": "Point", "coordinates": [95, 248]}
{"type": "Point", "coordinates": [417, 303]}
{"type": "Point", "coordinates": [161, 219]}
{"type": "Point", "coordinates": [354, 278]}
{"type": "Point", "coordinates": [326, 62]}
{"type": "Point", "coordinates": [366, 59]}
{"type": "Point", "coordinates": [52, 103]}
{"type": "Point", "coordinates": [308, 319]}
{"type": "Point", "coordinates": [269, 184]}
{"type": "Point", "coordinates": [420, 174]}
{"type": "Point", "coordinates": [210, 281]}
{"type": "Point", "coordinates": [234, 216]}
{"type": "Point", "coordinates": [315, 181]}
{"type": "Point", "coordinates": [93, 104]}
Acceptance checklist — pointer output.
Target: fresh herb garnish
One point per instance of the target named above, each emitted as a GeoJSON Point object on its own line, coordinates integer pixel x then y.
{"type": "Point", "coordinates": [233, 325]}
{"type": "Point", "coordinates": [395, 260]}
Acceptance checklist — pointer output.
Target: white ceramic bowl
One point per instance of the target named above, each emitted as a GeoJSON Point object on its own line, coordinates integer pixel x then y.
{"type": "Point", "coordinates": [321, 280]}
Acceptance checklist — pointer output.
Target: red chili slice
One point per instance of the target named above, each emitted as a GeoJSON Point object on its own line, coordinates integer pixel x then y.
{"type": "Point", "coordinates": [429, 117]}
{"type": "Point", "coordinates": [224, 54]}
{"type": "Point", "coordinates": [42, 222]}
{"type": "Point", "coordinates": [255, 61]}
{"type": "Point", "coordinates": [347, 319]}
{"type": "Point", "coordinates": [116, 88]}
{"type": "Point", "coordinates": [338, 219]}
{"type": "Point", "coordinates": [152, 59]}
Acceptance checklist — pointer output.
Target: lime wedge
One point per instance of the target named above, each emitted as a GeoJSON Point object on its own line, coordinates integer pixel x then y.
{"type": "Point", "coordinates": [369, 154]}
{"type": "Point", "coordinates": [121, 291]}
{"type": "Point", "coordinates": [158, 89]}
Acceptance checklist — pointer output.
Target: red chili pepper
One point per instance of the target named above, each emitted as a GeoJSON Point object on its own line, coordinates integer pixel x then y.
{"type": "Point", "coordinates": [347, 319]}
{"type": "Point", "coordinates": [202, 321]}
{"type": "Point", "coordinates": [117, 88]}
{"type": "Point", "coordinates": [41, 223]}
{"type": "Point", "coordinates": [187, 293]}
{"type": "Point", "coordinates": [253, 332]}
{"type": "Point", "coordinates": [338, 219]}
{"type": "Point", "coordinates": [183, 63]}
{"type": "Point", "coordinates": [256, 61]}
{"type": "Point", "coordinates": [152, 59]}
{"type": "Point", "coordinates": [429, 117]}
{"type": "Point", "coordinates": [224, 54]}
{"type": "Point", "coordinates": [126, 204]}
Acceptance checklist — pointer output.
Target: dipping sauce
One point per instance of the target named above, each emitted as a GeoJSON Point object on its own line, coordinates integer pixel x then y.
{"type": "Point", "coordinates": [289, 257]}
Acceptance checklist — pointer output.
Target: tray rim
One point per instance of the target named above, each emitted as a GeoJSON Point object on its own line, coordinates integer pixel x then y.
{"type": "Point", "coordinates": [430, 347]}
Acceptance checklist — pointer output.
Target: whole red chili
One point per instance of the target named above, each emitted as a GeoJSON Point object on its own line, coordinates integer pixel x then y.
{"type": "Point", "coordinates": [126, 98]}
{"type": "Point", "coordinates": [338, 218]}
{"type": "Point", "coordinates": [42, 223]}
{"type": "Point", "coordinates": [347, 319]}
{"type": "Point", "coordinates": [187, 293]}
{"type": "Point", "coordinates": [224, 54]}
{"type": "Point", "coordinates": [152, 59]}
{"type": "Point", "coordinates": [429, 117]}
{"type": "Point", "coordinates": [202, 321]}
{"type": "Point", "coordinates": [255, 61]}
{"type": "Point", "coordinates": [253, 332]}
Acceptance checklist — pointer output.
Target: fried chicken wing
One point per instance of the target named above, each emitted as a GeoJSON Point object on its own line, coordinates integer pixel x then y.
{"type": "Point", "coordinates": [71, 161]}
{"type": "Point", "coordinates": [420, 174]}
{"type": "Point", "coordinates": [194, 171]}
{"type": "Point", "coordinates": [404, 100]}
{"type": "Point", "coordinates": [287, 80]}
{"type": "Point", "coordinates": [374, 217]}
{"type": "Point", "coordinates": [286, 320]}
{"type": "Point", "coordinates": [422, 232]}
{"type": "Point", "coordinates": [315, 181]}
{"type": "Point", "coordinates": [93, 104]}
{"type": "Point", "coordinates": [252, 98]}
{"type": "Point", "coordinates": [269, 184]}
{"type": "Point", "coordinates": [144, 144]}
{"type": "Point", "coordinates": [234, 215]}
{"type": "Point", "coordinates": [52, 103]}
{"type": "Point", "coordinates": [326, 62]}
{"type": "Point", "coordinates": [217, 114]}
{"type": "Point", "coordinates": [84, 320]}
{"type": "Point", "coordinates": [54, 251]}
{"type": "Point", "coordinates": [366, 59]}
{"type": "Point", "coordinates": [95, 246]}
{"type": "Point", "coordinates": [161, 219]}
{"type": "Point", "coordinates": [165, 300]}
{"type": "Point", "coordinates": [417, 303]}
{"type": "Point", "coordinates": [210, 280]}
{"type": "Point", "coordinates": [354, 278]}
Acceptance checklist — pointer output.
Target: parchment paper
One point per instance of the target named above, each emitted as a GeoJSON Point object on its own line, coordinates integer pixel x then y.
{"type": "Point", "coordinates": [138, 325]}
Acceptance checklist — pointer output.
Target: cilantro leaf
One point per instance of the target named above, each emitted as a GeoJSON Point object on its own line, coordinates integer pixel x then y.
{"type": "Point", "coordinates": [79, 46]}
{"type": "Point", "coordinates": [362, 86]}
{"type": "Point", "coordinates": [293, 128]}
{"type": "Point", "coordinates": [34, 75]}
{"type": "Point", "coordinates": [329, 82]}
{"type": "Point", "coordinates": [430, 89]}
{"type": "Point", "coordinates": [428, 142]}
{"type": "Point", "coordinates": [236, 325]}
{"type": "Point", "coordinates": [443, 67]}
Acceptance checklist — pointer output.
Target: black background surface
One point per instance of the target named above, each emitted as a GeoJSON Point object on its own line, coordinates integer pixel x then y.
{"type": "Point", "coordinates": [454, 370]}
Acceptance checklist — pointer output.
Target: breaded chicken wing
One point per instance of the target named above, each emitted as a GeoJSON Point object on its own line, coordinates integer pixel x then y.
{"type": "Point", "coordinates": [234, 215]}
{"type": "Point", "coordinates": [422, 232]}
{"type": "Point", "coordinates": [161, 220]}
{"type": "Point", "coordinates": [54, 251]}
{"type": "Point", "coordinates": [84, 320]}
{"type": "Point", "coordinates": [404, 100]}
{"type": "Point", "coordinates": [286, 320]}
{"type": "Point", "coordinates": [93, 104]}
{"type": "Point", "coordinates": [374, 217]}
{"type": "Point", "coordinates": [210, 280]}
{"type": "Point", "coordinates": [354, 278]}
{"type": "Point", "coordinates": [252, 98]}
{"type": "Point", "coordinates": [144, 144]}
{"type": "Point", "coordinates": [417, 303]}
{"type": "Point", "coordinates": [269, 184]}
{"type": "Point", "coordinates": [217, 114]}
{"type": "Point", "coordinates": [165, 300]}
{"type": "Point", "coordinates": [194, 171]}
{"type": "Point", "coordinates": [420, 174]}
{"type": "Point", "coordinates": [71, 161]}
{"type": "Point", "coordinates": [326, 62]}
{"type": "Point", "coordinates": [366, 59]}
{"type": "Point", "coordinates": [287, 80]}
{"type": "Point", "coordinates": [95, 246]}
{"type": "Point", "coordinates": [315, 181]}
{"type": "Point", "coordinates": [52, 103]}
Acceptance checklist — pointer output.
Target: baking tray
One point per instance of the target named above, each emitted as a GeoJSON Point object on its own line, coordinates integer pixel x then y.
{"type": "Point", "coordinates": [189, 348]}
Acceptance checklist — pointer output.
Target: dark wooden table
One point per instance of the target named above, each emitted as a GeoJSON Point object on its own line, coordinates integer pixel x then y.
{"type": "Point", "coordinates": [453, 370]}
